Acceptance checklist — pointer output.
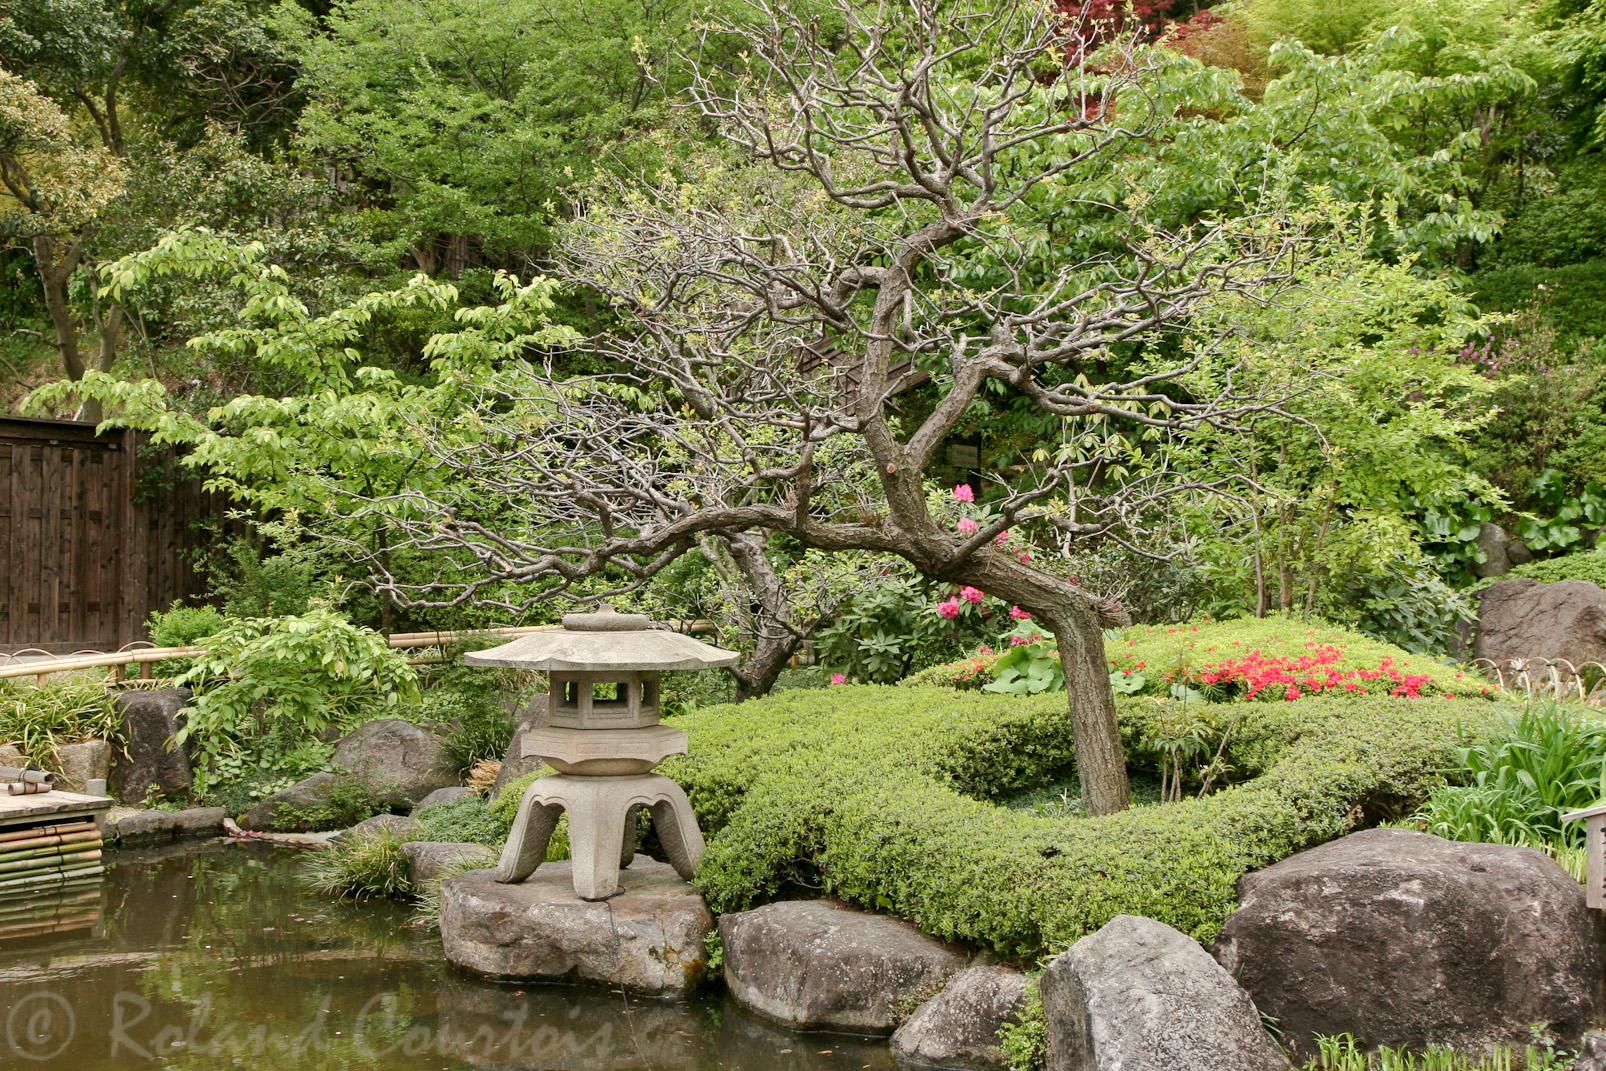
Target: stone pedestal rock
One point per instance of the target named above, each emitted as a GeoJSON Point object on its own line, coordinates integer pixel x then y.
{"type": "Point", "coordinates": [649, 937]}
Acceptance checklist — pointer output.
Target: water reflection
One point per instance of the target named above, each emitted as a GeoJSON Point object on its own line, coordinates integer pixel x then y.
{"type": "Point", "coordinates": [212, 956]}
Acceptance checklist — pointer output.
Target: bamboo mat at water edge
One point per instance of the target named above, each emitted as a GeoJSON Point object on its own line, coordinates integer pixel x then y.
{"type": "Point", "coordinates": [48, 841]}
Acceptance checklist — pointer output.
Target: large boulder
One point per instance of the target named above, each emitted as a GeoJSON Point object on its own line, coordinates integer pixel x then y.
{"type": "Point", "coordinates": [959, 1027]}
{"type": "Point", "coordinates": [147, 756]}
{"type": "Point", "coordinates": [1523, 618]}
{"type": "Point", "coordinates": [429, 860]}
{"type": "Point", "coordinates": [1592, 1052]}
{"type": "Point", "coordinates": [818, 965]}
{"type": "Point", "coordinates": [399, 762]}
{"type": "Point", "coordinates": [649, 938]}
{"type": "Point", "coordinates": [1406, 939]}
{"type": "Point", "coordinates": [10, 756]}
{"type": "Point", "coordinates": [1141, 996]}
{"type": "Point", "coordinates": [80, 763]}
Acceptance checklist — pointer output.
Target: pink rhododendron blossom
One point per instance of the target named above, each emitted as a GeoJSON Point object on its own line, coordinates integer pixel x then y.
{"type": "Point", "coordinates": [971, 594]}
{"type": "Point", "coordinates": [964, 494]}
{"type": "Point", "coordinates": [1018, 614]}
{"type": "Point", "coordinates": [949, 608]}
{"type": "Point", "coordinates": [967, 525]}
{"type": "Point", "coordinates": [1025, 557]}
{"type": "Point", "coordinates": [839, 678]}
{"type": "Point", "coordinates": [1003, 537]}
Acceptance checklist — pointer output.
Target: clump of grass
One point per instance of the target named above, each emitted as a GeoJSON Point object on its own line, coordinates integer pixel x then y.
{"type": "Point", "coordinates": [1521, 777]}
{"type": "Point", "coordinates": [429, 894]}
{"type": "Point", "coordinates": [467, 819]}
{"type": "Point", "coordinates": [1344, 1053]}
{"type": "Point", "coordinates": [369, 866]}
{"type": "Point", "coordinates": [39, 719]}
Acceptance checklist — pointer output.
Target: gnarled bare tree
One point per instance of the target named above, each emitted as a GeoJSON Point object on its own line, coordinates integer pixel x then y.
{"type": "Point", "coordinates": [880, 194]}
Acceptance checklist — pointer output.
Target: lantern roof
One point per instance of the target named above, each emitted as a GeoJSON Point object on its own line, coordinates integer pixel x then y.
{"type": "Point", "coordinates": [605, 641]}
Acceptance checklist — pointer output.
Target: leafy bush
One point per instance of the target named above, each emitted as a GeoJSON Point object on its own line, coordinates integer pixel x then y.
{"type": "Point", "coordinates": [183, 626]}
{"type": "Point", "coordinates": [885, 797]}
{"type": "Point", "coordinates": [36, 720]}
{"type": "Point", "coordinates": [469, 707]}
{"type": "Point", "coordinates": [897, 627]}
{"type": "Point", "coordinates": [267, 687]}
{"type": "Point", "coordinates": [252, 586]}
{"type": "Point", "coordinates": [1025, 1041]}
{"type": "Point", "coordinates": [365, 867]}
{"type": "Point", "coordinates": [1515, 782]}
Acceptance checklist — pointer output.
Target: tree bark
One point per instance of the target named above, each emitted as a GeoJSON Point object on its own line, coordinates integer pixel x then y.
{"type": "Point", "coordinates": [1076, 619]}
{"type": "Point", "coordinates": [54, 271]}
{"type": "Point", "coordinates": [776, 633]}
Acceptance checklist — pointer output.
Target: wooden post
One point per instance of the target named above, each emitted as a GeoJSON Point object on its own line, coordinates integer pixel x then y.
{"type": "Point", "coordinates": [1594, 819]}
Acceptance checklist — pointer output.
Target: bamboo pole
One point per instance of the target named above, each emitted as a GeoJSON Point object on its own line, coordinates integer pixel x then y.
{"type": "Point", "coordinates": [67, 829]}
{"type": "Point", "coordinates": [49, 877]}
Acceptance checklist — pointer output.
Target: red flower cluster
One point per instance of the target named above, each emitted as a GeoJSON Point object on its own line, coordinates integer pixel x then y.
{"type": "Point", "coordinates": [1313, 673]}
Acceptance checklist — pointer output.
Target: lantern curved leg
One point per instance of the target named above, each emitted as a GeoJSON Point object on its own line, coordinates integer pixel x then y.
{"type": "Point", "coordinates": [627, 853]}
{"type": "Point", "coordinates": [677, 829]}
{"type": "Point", "coordinates": [597, 837]}
{"type": "Point", "coordinates": [527, 841]}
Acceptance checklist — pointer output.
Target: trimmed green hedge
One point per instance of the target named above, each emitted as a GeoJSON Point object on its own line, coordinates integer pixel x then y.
{"type": "Point", "coordinates": [880, 795]}
{"type": "Point", "coordinates": [1587, 565]}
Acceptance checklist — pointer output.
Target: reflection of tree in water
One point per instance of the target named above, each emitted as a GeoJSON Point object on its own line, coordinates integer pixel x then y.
{"type": "Point", "coordinates": [215, 955]}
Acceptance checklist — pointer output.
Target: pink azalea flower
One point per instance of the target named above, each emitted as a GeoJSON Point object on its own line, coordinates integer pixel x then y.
{"type": "Point", "coordinates": [972, 594]}
{"type": "Point", "coordinates": [839, 678]}
{"type": "Point", "coordinates": [1018, 614]}
{"type": "Point", "coordinates": [1025, 557]}
{"type": "Point", "coordinates": [949, 608]}
{"type": "Point", "coordinates": [967, 525]}
{"type": "Point", "coordinates": [1003, 537]}
{"type": "Point", "coordinates": [964, 494]}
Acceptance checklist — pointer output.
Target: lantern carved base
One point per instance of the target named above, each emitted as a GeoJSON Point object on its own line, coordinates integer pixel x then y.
{"type": "Point", "coordinates": [601, 828]}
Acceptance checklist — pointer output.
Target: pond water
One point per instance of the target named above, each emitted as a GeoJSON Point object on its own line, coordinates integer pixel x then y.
{"type": "Point", "coordinates": [212, 955]}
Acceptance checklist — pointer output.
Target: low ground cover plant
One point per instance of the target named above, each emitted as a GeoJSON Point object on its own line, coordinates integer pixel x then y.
{"type": "Point", "coordinates": [888, 797]}
{"type": "Point", "coordinates": [1587, 565]}
{"type": "Point", "coordinates": [1280, 657]}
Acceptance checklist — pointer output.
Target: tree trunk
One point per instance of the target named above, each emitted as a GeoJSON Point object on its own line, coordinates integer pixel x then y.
{"type": "Point", "coordinates": [775, 629]}
{"type": "Point", "coordinates": [758, 672]}
{"type": "Point", "coordinates": [1100, 758]}
{"type": "Point", "coordinates": [54, 271]}
{"type": "Point", "coordinates": [1074, 618]}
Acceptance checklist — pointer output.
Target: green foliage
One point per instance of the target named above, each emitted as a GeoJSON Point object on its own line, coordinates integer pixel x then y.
{"type": "Point", "coordinates": [1587, 565]}
{"type": "Point", "coordinates": [856, 791]}
{"type": "Point", "coordinates": [1025, 1039]}
{"type": "Point", "coordinates": [267, 687]}
{"type": "Point", "coordinates": [1516, 781]}
{"type": "Point", "coordinates": [366, 866]}
{"type": "Point", "coordinates": [1574, 295]}
{"type": "Point", "coordinates": [67, 708]}
{"type": "Point", "coordinates": [892, 629]}
{"type": "Point", "coordinates": [1345, 1053]}
{"type": "Point", "coordinates": [468, 820]}
{"type": "Point", "coordinates": [1561, 513]}
{"type": "Point", "coordinates": [1028, 665]}
{"type": "Point", "coordinates": [349, 801]}
{"type": "Point", "coordinates": [469, 707]}
{"type": "Point", "coordinates": [183, 626]}
{"type": "Point", "coordinates": [253, 586]}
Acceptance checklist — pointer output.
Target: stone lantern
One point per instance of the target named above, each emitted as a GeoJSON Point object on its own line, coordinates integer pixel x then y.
{"type": "Point", "coordinates": [603, 736]}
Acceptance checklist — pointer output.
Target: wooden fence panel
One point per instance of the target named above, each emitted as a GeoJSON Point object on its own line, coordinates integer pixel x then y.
{"type": "Point", "coordinates": [86, 551]}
